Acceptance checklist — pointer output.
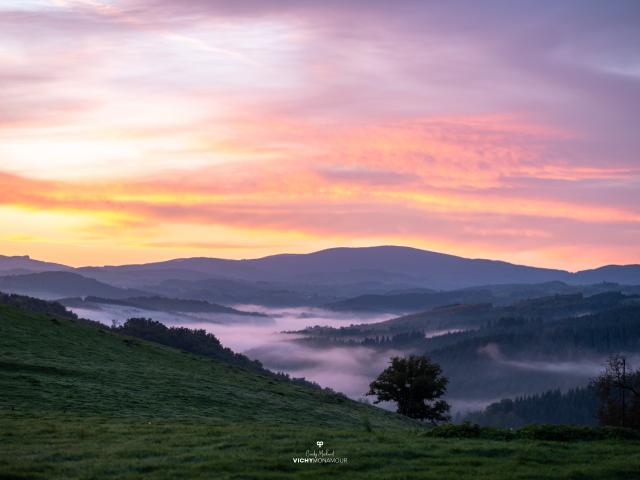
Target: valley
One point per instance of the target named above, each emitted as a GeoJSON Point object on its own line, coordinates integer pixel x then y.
{"type": "Point", "coordinates": [80, 401]}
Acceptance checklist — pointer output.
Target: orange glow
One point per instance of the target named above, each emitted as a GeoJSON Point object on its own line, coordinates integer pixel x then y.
{"type": "Point", "coordinates": [138, 135]}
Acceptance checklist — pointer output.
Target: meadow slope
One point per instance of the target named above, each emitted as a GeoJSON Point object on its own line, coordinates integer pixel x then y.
{"type": "Point", "coordinates": [79, 401]}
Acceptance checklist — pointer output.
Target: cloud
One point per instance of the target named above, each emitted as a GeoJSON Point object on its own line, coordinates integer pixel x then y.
{"type": "Point", "coordinates": [210, 245]}
{"type": "Point", "coordinates": [507, 129]}
{"type": "Point", "coordinates": [348, 175]}
{"type": "Point", "coordinates": [293, 209]}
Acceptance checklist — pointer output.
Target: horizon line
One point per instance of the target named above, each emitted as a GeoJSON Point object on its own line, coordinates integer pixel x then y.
{"type": "Point", "coordinates": [28, 256]}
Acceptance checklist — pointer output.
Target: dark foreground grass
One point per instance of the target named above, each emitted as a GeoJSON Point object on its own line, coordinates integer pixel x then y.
{"type": "Point", "coordinates": [108, 447]}
{"type": "Point", "coordinates": [79, 402]}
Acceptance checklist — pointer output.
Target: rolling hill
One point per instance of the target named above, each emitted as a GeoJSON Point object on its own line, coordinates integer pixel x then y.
{"type": "Point", "coordinates": [475, 315]}
{"type": "Point", "coordinates": [398, 267]}
{"type": "Point", "coordinates": [80, 401]}
{"type": "Point", "coordinates": [83, 378]}
{"type": "Point", "coordinates": [325, 276]}
{"type": "Point", "coordinates": [385, 264]}
{"type": "Point", "coordinates": [15, 265]}
{"type": "Point", "coordinates": [57, 284]}
{"type": "Point", "coordinates": [498, 295]}
{"type": "Point", "coordinates": [52, 364]}
{"type": "Point", "coordinates": [488, 352]}
{"type": "Point", "coordinates": [156, 303]}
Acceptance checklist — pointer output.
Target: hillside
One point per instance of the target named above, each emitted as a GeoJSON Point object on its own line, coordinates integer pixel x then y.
{"type": "Point", "coordinates": [489, 353]}
{"type": "Point", "coordinates": [13, 265]}
{"type": "Point", "coordinates": [80, 401]}
{"type": "Point", "coordinates": [156, 303]}
{"type": "Point", "coordinates": [57, 284]}
{"type": "Point", "coordinates": [467, 316]}
{"type": "Point", "coordinates": [576, 406]}
{"type": "Point", "coordinates": [623, 274]}
{"type": "Point", "coordinates": [498, 295]}
{"type": "Point", "coordinates": [54, 364]}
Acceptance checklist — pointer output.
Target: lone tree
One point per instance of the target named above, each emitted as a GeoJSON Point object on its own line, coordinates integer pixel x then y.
{"type": "Point", "coordinates": [618, 393]}
{"type": "Point", "coordinates": [415, 383]}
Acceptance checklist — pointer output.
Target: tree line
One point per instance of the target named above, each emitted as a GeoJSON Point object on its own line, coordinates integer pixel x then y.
{"type": "Point", "coordinates": [416, 384]}
{"type": "Point", "coordinates": [200, 342]}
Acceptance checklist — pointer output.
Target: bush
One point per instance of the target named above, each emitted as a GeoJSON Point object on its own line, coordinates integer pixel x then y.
{"type": "Point", "coordinates": [465, 430]}
{"type": "Point", "coordinates": [566, 433]}
{"type": "Point", "coordinates": [469, 430]}
{"type": "Point", "coordinates": [560, 433]}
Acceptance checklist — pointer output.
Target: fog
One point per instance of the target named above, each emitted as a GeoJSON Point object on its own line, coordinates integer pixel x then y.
{"type": "Point", "coordinates": [586, 368]}
{"type": "Point", "coordinates": [345, 369]}
{"type": "Point", "coordinates": [107, 314]}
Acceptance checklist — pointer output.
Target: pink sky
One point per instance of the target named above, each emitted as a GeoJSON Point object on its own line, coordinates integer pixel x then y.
{"type": "Point", "coordinates": [139, 130]}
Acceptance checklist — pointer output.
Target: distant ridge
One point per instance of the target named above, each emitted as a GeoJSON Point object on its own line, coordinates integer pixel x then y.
{"type": "Point", "coordinates": [372, 269]}
{"type": "Point", "coordinates": [57, 284]}
{"type": "Point", "coordinates": [25, 264]}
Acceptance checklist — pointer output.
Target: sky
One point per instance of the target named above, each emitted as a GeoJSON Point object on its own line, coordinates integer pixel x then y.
{"type": "Point", "coordinates": [142, 130]}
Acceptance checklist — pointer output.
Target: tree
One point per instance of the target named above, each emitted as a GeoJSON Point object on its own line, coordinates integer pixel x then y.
{"type": "Point", "coordinates": [415, 383]}
{"type": "Point", "coordinates": [618, 392]}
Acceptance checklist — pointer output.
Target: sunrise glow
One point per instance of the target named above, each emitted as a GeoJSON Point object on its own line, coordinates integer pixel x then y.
{"type": "Point", "coordinates": [135, 130]}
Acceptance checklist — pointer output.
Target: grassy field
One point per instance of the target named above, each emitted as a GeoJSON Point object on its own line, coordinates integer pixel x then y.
{"type": "Point", "coordinates": [54, 365]}
{"type": "Point", "coordinates": [107, 447]}
{"type": "Point", "coordinates": [77, 401]}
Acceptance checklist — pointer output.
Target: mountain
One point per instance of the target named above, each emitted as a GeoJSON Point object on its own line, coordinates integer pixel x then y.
{"type": "Point", "coordinates": [230, 292]}
{"type": "Point", "coordinates": [372, 269]}
{"type": "Point", "coordinates": [62, 284]}
{"type": "Point", "coordinates": [396, 267]}
{"type": "Point", "coordinates": [499, 295]}
{"type": "Point", "coordinates": [325, 276]}
{"type": "Point", "coordinates": [479, 315]}
{"type": "Point", "coordinates": [623, 274]}
{"type": "Point", "coordinates": [408, 302]}
{"type": "Point", "coordinates": [25, 264]}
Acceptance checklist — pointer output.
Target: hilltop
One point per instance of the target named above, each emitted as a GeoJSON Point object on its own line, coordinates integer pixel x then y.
{"type": "Point", "coordinates": [399, 278]}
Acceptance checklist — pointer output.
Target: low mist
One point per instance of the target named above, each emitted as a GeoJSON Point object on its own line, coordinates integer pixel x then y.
{"type": "Point", "coordinates": [350, 369]}
{"type": "Point", "coordinates": [345, 369]}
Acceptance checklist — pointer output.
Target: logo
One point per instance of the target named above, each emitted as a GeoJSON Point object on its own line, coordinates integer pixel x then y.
{"type": "Point", "coordinates": [320, 456]}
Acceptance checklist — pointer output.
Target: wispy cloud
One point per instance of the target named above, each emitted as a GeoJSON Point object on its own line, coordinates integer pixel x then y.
{"type": "Point", "coordinates": [505, 132]}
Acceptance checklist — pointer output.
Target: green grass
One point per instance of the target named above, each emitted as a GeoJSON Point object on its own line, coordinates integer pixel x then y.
{"type": "Point", "coordinates": [58, 365]}
{"type": "Point", "coordinates": [79, 402]}
{"type": "Point", "coordinates": [65, 446]}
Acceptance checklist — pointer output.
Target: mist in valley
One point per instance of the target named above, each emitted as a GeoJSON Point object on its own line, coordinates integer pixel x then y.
{"type": "Point", "coordinates": [346, 368]}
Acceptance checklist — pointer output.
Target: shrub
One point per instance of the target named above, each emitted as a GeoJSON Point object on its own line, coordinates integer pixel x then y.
{"type": "Point", "coordinates": [566, 433]}
{"type": "Point", "coordinates": [465, 430]}
{"type": "Point", "coordinates": [560, 433]}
